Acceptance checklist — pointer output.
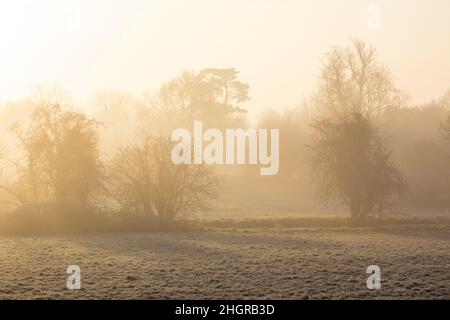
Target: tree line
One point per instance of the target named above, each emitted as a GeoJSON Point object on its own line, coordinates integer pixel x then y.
{"type": "Point", "coordinates": [114, 160]}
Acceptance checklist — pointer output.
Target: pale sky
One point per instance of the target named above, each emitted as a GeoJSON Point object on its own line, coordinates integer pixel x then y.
{"type": "Point", "coordinates": [88, 45]}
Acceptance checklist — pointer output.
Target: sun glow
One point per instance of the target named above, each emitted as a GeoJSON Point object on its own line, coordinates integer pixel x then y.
{"type": "Point", "coordinates": [86, 46]}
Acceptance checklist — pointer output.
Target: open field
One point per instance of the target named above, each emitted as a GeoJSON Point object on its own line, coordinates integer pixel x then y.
{"type": "Point", "coordinates": [232, 263]}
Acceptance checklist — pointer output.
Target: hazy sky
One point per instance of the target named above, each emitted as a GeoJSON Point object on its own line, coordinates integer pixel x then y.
{"type": "Point", "coordinates": [87, 45]}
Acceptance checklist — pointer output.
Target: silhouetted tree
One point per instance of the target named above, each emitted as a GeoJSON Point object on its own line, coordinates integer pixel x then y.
{"type": "Point", "coordinates": [350, 162]}
{"type": "Point", "coordinates": [144, 181]}
{"type": "Point", "coordinates": [211, 95]}
{"type": "Point", "coordinates": [353, 81]}
{"type": "Point", "coordinates": [61, 156]}
{"type": "Point", "coordinates": [226, 90]}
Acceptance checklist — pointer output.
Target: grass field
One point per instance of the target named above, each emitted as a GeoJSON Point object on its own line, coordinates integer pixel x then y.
{"type": "Point", "coordinates": [232, 263]}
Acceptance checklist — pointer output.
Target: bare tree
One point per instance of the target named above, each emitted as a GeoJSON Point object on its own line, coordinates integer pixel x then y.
{"type": "Point", "coordinates": [61, 156]}
{"type": "Point", "coordinates": [144, 180]}
{"type": "Point", "coordinates": [353, 81]}
{"type": "Point", "coordinates": [351, 162]}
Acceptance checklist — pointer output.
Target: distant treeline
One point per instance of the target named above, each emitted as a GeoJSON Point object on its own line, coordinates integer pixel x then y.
{"type": "Point", "coordinates": [357, 139]}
